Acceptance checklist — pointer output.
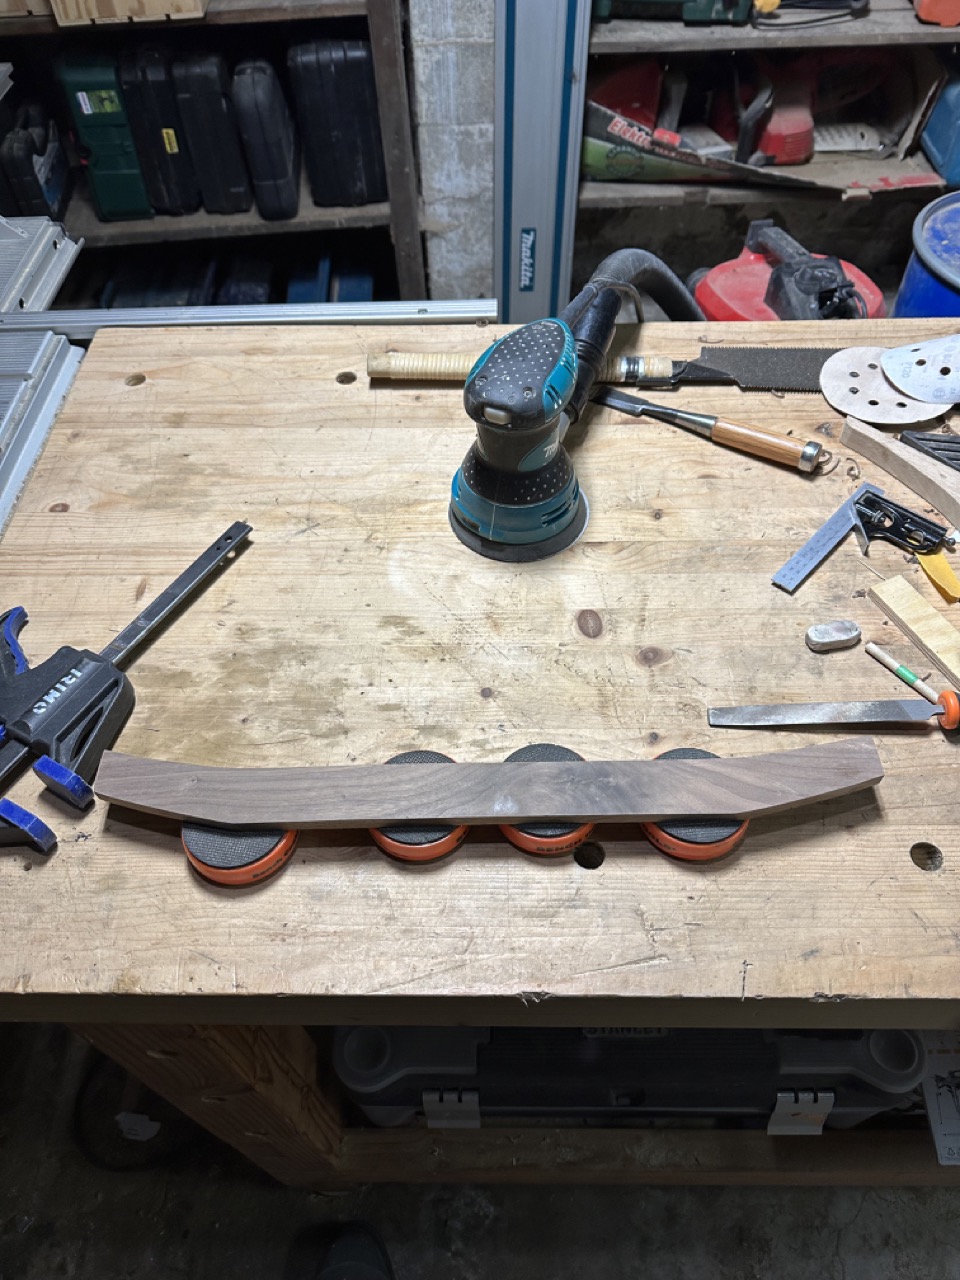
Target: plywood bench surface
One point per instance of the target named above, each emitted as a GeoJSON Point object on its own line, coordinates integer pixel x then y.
{"type": "Point", "coordinates": [356, 626]}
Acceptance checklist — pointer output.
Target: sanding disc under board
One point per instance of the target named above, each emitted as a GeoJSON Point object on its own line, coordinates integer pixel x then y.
{"type": "Point", "coordinates": [927, 370]}
{"type": "Point", "coordinates": [853, 382]}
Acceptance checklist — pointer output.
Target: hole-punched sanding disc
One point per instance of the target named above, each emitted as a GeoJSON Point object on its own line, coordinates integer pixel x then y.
{"type": "Point", "coordinates": [926, 370]}
{"type": "Point", "coordinates": [853, 382]}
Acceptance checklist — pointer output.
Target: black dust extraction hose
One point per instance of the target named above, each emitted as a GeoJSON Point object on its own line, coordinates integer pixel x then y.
{"type": "Point", "coordinates": [592, 314]}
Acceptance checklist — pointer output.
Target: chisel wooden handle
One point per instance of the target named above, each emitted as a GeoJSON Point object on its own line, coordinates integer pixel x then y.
{"type": "Point", "coordinates": [767, 444]}
{"type": "Point", "coordinates": [454, 366]}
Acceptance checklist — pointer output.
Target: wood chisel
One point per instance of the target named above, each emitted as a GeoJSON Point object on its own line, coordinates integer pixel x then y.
{"type": "Point", "coordinates": [879, 712]}
{"type": "Point", "coordinates": [805, 456]}
{"type": "Point", "coordinates": [749, 368]}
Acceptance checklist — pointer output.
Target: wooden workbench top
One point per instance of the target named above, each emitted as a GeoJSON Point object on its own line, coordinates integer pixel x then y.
{"type": "Point", "coordinates": [356, 626]}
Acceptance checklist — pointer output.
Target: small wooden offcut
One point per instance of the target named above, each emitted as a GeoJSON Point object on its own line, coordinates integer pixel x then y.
{"type": "Point", "coordinates": [72, 13]}
{"type": "Point", "coordinates": [356, 626]}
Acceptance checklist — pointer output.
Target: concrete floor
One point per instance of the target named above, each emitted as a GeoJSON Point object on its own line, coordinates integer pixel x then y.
{"type": "Point", "coordinates": [208, 1215]}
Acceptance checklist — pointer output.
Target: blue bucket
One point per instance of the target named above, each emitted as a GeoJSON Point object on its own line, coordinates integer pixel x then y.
{"type": "Point", "coordinates": [931, 282]}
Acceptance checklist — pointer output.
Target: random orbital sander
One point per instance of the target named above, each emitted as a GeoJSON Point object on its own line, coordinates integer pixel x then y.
{"type": "Point", "coordinates": [516, 496]}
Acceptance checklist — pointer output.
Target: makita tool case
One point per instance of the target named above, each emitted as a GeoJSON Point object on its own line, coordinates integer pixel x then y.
{"type": "Point", "coordinates": [147, 85]}
{"type": "Point", "coordinates": [202, 86]}
{"type": "Point", "coordinates": [455, 1076]}
{"type": "Point", "coordinates": [336, 99]}
{"type": "Point", "coordinates": [269, 138]}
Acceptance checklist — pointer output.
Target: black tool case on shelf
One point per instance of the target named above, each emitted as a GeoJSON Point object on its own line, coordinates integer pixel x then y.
{"type": "Point", "coordinates": [35, 164]}
{"type": "Point", "coordinates": [147, 85]}
{"type": "Point", "coordinates": [8, 201]}
{"type": "Point", "coordinates": [269, 138]}
{"type": "Point", "coordinates": [202, 86]}
{"type": "Point", "coordinates": [336, 99]}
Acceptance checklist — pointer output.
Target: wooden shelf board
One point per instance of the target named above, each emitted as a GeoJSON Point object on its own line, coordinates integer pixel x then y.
{"type": "Point", "coordinates": [889, 22]}
{"type": "Point", "coordinates": [867, 178]}
{"type": "Point", "coordinates": [81, 220]}
{"type": "Point", "coordinates": [220, 12]}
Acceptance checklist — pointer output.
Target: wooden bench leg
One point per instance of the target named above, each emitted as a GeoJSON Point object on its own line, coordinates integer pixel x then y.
{"type": "Point", "coordinates": [256, 1088]}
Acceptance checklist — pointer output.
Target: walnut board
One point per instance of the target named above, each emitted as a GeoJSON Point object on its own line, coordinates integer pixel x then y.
{"type": "Point", "coordinates": [356, 626]}
{"type": "Point", "coordinates": [372, 795]}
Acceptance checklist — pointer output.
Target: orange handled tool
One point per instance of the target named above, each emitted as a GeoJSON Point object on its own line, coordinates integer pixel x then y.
{"type": "Point", "coordinates": [805, 456]}
{"type": "Point", "coordinates": [947, 702]}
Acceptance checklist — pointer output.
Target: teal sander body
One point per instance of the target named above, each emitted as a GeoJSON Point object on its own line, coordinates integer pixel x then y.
{"type": "Point", "coordinates": [516, 497]}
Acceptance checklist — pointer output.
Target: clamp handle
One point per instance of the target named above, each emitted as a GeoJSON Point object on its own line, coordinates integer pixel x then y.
{"type": "Point", "coordinates": [13, 661]}
{"type": "Point", "coordinates": [19, 826]}
{"type": "Point", "coordinates": [63, 782]}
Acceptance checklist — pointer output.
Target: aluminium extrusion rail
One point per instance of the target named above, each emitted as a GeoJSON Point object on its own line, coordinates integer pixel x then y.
{"type": "Point", "coordinates": [29, 404]}
{"type": "Point", "coordinates": [82, 325]}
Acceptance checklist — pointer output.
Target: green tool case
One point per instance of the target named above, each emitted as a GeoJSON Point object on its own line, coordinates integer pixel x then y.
{"type": "Point", "coordinates": [104, 137]}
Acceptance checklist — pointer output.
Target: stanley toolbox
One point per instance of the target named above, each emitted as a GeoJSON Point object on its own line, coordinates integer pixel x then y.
{"type": "Point", "coordinates": [147, 86]}
{"type": "Point", "coordinates": [206, 112]}
{"type": "Point", "coordinates": [35, 164]}
{"type": "Point", "coordinates": [336, 101]}
{"type": "Point", "coordinates": [104, 137]}
{"type": "Point", "coordinates": [461, 1076]}
{"type": "Point", "coordinates": [269, 139]}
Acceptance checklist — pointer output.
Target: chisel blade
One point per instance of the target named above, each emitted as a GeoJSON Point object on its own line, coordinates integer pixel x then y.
{"type": "Point", "coordinates": [796, 715]}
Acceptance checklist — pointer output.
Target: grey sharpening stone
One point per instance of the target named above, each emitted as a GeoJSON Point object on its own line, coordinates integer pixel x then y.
{"type": "Point", "coordinates": [823, 637]}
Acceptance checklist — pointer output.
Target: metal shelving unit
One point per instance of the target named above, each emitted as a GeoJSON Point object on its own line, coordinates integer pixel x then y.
{"type": "Point", "coordinates": [402, 211]}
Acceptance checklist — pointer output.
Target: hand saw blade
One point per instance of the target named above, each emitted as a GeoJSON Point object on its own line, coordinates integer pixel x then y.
{"type": "Point", "coordinates": [762, 368]}
{"type": "Point", "coordinates": [789, 715]}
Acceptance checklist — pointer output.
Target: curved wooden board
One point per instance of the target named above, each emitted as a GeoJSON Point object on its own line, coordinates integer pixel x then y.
{"type": "Point", "coordinates": [929, 479]}
{"type": "Point", "coordinates": [583, 791]}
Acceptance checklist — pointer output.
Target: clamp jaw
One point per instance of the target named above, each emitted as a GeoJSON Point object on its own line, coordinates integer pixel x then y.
{"type": "Point", "coordinates": [65, 735]}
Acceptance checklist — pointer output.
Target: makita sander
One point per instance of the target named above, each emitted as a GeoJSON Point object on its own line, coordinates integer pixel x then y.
{"type": "Point", "coordinates": [516, 495]}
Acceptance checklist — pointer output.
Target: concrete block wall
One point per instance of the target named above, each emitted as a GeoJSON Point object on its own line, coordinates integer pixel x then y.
{"type": "Point", "coordinates": [453, 99]}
